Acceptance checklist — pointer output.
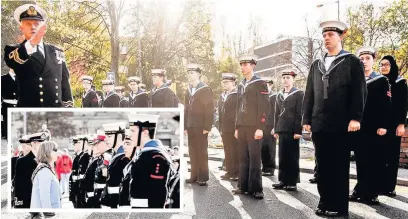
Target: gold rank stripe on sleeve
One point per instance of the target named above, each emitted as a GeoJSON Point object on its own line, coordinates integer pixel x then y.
{"type": "Point", "coordinates": [14, 55]}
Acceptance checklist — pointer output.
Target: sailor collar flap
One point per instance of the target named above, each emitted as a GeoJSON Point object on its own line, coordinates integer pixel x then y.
{"type": "Point", "coordinates": [200, 86]}
{"type": "Point", "coordinates": [339, 59]}
{"type": "Point", "coordinates": [373, 77]}
{"type": "Point", "coordinates": [291, 92]}
{"type": "Point", "coordinates": [234, 91]}
{"type": "Point", "coordinates": [272, 94]}
{"type": "Point", "coordinates": [114, 157]}
{"type": "Point", "coordinates": [86, 94]}
{"type": "Point", "coordinates": [155, 90]}
{"type": "Point", "coordinates": [253, 80]}
{"type": "Point", "coordinates": [399, 79]}
{"type": "Point", "coordinates": [139, 92]}
{"type": "Point", "coordinates": [144, 150]}
{"type": "Point", "coordinates": [110, 94]}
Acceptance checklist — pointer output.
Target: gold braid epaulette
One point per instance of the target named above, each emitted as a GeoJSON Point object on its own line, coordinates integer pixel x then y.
{"type": "Point", "coordinates": [14, 55]}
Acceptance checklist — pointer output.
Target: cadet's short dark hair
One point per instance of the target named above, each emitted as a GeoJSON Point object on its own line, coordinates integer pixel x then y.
{"type": "Point", "coordinates": [151, 131]}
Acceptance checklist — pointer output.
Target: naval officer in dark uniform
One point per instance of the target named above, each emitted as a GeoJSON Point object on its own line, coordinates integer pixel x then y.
{"type": "Point", "coordinates": [111, 98]}
{"type": "Point", "coordinates": [369, 141]}
{"type": "Point", "coordinates": [137, 96]}
{"type": "Point", "coordinates": [9, 96]}
{"type": "Point", "coordinates": [227, 116]}
{"type": "Point", "coordinates": [198, 118]}
{"type": "Point", "coordinates": [86, 171]}
{"type": "Point", "coordinates": [73, 178]}
{"type": "Point", "coordinates": [89, 99]}
{"type": "Point", "coordinates": [396, 126]}
{"type": "Point", "coordinates": [333, 106]}
{"type": "Point", "coordinates": [161, 95]}
{"type": "Point", "coordinates": [268, 152]}
{"type": "Point", "coordinates": [41, 71]}
{"type": "Point", "coordinates": [251, 116]}
{"type": "Point", "coordinates": [288, 129]}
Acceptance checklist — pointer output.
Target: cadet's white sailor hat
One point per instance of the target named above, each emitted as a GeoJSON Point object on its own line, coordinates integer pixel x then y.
{"type": "Point", "coordinates": [134, 79]}
{"type": "Point", "coordinates": [100, 136]}
{"type": "Point", "coordinates": [229, 76]}
{"type": "Point", "coordinates": [158, 71]}
{"type": "Point", "coordinates": [113, 128]}
{"type": "Point", "coordinates": [366, 50]}
{"type": "Point", "coordinates": [337, 26]}
{"type": "Point", "coordinates": [119, 88]}
{"type": "Point", "coordinates": [75, 139]}
{"type": "Point", "coordinates": [144, 120]}
{"type": "Point", "coordinates": [128, 134]}
{"type": "Point", "coordinates": [86, 78]}
{"type": "Point", "coordinates": [194, 67]}
{"type": "Point", "coordinates": [143, 86]}
{"type": "Point", "coordinates": [290, 72]}
{"type": "Point", "coordinates": [108, 82]}
{"type": "Point", "coordinates": [268, 80]}
{"type": "Point", "coordinates": [248, 59]}
{"type": "Point", "coordinates": [29, 12]}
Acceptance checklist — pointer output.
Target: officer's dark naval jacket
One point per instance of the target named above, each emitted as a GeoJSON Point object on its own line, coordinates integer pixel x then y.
{"type": "Point", "coordinates": [42, 82]}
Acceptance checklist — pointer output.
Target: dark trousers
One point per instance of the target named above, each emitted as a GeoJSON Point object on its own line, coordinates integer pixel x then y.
{"type": "Point", "coordinates": [333, 159]}
{"type": "Point", "coordinates": [315, 168]}
{"type": "Point", "coordinates": [391, 153]}
{"type": "Point", "coordinates": [4, 126]}
{"type": "Point", "coordinates": [198, 152]}
{"type": "Point", "coordinates": [367, 150]}
{"type": "Point", "coordinates": [289, 152]}
{"type": "Point", "coordinates": [250, 179]}
{"type": "Point", "coordinates": [80, 200]}
{"type": "Point", "coordinates": [268, 151]}
{"type": "Point", "coordinates": [231, 153]}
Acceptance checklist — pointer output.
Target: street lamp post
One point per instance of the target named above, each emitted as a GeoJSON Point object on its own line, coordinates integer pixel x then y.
{"type": "Point", "coordinates": [338, 7]}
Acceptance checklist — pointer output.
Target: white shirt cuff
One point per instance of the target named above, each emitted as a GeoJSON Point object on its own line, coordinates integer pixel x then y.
{"type": "Point", "coordinates": [30, 49]}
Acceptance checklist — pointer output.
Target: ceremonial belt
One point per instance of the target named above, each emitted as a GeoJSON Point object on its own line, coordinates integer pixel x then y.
{"type": "Point", "coordinates": [113, 190]}
{"type": "Point", "coordinates": [99, 186]}
{"type": "Point", "coordinates": [81, 176]}
{"type": "Point", "coordinates": [90, 194]}
{"type": "Point", "coordinates": [74, 178]}
{"type": "Point", "coordinates": [135, 202]}
{"type": "Point", "coordinates": [10, 101]}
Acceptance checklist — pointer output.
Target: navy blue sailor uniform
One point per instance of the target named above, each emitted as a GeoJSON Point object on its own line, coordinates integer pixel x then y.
{"type": "Point", "coordinates": [83, 163]}
{"type": "Point", "coordinates": [43, 78]}
{"type": "Point", "coordinates": [368, 144]}
{"type": "Point", "coordinates": [163, 97]}
{"type": "Point", "coordinates": [268, 151]}
{"type": "Point", "coordinates": [288, 121]}
{"type": "Point", "coordinates": [111, 100]}
{"type": "Point", "coordinates": [87, 183]}
{"type": "Point", "coordinates": [252, 107]}
{"type": "Point", "coordinates": [333, 97]}
{"type": "Point", "coordinates": [138, 99]}
{"type": "Point", "coordinates": [73, 180]}
{"type": "Point", "coordinates": [90, 99]}
{"type": "Point", "coordinates": [199, 115]}
{"type": "Point", "coordinates": [150, 174]}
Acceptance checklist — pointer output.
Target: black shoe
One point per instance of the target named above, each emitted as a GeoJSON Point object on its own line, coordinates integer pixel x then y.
{"type": "Point", "coordinates": [290, 188]}
{"type": "Point", "coordinates": [335, 214]}
{"type": "Point", "coordinates": [313, 180]}
{"type": "Point", "coordinates": [191, 181]}
{"type": "Point", "coordinates": [354, 198]}
{"type": "Point", "coordinates": [279, 185]}
{"type": "Point", "coordinates": [391, 194]}
{"type": "Point", "coordinates": [49, 214]}
{"type": "Point", "coordinates": [319, 211]}
{"type": "Point", "coordinates": [258, 195]}
{"type": "Point", "coordinates": [370, 201]}
{"type": "Point", "coordinates": [267, 174]}
{"type": "Point", "coordinates": [202, 183]}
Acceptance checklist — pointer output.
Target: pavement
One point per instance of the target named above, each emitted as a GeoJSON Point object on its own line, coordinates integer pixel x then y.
{"type": "Point", "coordinates": [306, 163]}
{"type": "Point", "coordinates": [216, 201]}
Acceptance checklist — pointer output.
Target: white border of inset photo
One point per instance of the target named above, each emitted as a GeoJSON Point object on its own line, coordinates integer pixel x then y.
{"type": "Point", "coordinates": [183, 167]}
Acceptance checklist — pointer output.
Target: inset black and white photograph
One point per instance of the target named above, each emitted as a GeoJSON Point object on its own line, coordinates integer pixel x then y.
{"type": "Point", "coordinates": [125, 161]}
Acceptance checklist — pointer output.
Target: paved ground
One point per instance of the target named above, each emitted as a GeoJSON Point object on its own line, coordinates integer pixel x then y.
{"type": "Point", "coordinates": [216, 201]}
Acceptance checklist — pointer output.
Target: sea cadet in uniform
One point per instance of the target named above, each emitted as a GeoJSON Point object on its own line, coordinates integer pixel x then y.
{"type": "Point", "coordinates": [89, 99]}
{"type": "Point", "coordinates": [198, 119]}
{"type": "Point", "coordinates": [130, 151]}
{"type": "Point", "coordinates": [369, 141]}
{"type": "Point", "coordinates": [288, 129]}
{"type": "Point", "coordinates": [161, 95]}
{"type": "Point", "coordinates": [333, 106]}
{"type": "Point", "coordinates": [88, 177]}
{"type": "Point", "coordinates": [137, 96]}
{"type": "Point", "coordinates": [396, 126]}
{"type": "Point", "coordinates": [41, 71]}
{"type": "Point", "coordinates": [73, 178]}
{"type": "Point", "coordinates": [227, 116]}
{"type": "Point", "coordinates": [268, 151]}
{"type": "Point", "coordinates": [124, 101]}
{"type": "Point", "coordinates": [111, 98]}
{"type": "Point", "coordinates": [151, 169]}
